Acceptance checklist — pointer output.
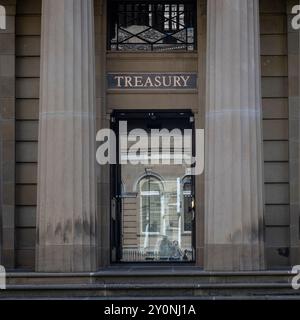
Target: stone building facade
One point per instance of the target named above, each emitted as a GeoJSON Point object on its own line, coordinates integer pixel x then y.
{"type": "Point", "coordinates": [58, 206]}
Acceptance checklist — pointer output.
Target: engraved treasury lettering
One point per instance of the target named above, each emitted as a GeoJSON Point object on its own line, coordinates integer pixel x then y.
{"type": "Point", "coordinates": [152, 81]}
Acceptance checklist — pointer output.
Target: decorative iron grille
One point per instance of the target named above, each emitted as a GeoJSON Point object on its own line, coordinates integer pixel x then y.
{"type": "Point", "coordinates": [152, 26]}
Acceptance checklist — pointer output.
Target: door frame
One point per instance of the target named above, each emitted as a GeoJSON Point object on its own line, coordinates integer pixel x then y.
{"type": "Point", "coordinates": [116, 187]}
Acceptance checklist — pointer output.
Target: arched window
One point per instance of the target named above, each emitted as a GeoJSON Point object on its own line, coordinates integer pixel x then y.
{"type": "Point", "coordinates": [150, 204]}
{"type": "Point", "coordinates": [2, 18]}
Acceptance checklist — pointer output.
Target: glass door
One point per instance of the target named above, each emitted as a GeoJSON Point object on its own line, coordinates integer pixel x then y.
{"type": "Point", "coordinates": [153, 196]}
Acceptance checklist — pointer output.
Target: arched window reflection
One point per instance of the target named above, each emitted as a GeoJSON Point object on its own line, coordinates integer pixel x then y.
{"type": "Point", "coordinates": [150, 204]}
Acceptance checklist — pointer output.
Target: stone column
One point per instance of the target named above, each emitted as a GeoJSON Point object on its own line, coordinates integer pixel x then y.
{"type": "Point", "coordinates": [7, 133]}
{"type": "Point", "coordinates": [234, 175]}
{"type": "Point", "coordinates": [66, 177]}
{"type": "Point", "coordinates": [294, 134]}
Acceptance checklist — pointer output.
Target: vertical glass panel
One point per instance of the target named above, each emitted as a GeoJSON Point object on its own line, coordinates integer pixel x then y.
{"type": "Point", "coordinates": [181, 16]}
{"type": "Point", "coordinates": [167, 17]}
{"type": "Point", "coordinates": [150, 15]}
{"type": "Point", "coordinates": [174, 16]}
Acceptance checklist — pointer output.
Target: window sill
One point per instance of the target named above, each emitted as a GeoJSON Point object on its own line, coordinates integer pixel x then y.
{"type": "Point", "coordinates": [151, 54]}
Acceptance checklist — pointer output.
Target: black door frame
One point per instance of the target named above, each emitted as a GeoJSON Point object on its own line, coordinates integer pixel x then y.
{"type": "Point", "coordinates": [115, 183]}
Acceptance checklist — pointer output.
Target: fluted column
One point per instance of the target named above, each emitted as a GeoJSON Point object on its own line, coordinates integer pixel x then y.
{"type": "Point", "coordinates": [7, 133]}
{"type": "Point", "coordinates": [66, 177]}
{"type": "Point", "coordinates": [294, 132]}
{"type": "Point", "coordinates": [234, 175]}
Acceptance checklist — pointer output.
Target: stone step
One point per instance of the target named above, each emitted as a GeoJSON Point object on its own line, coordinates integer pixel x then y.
{"type": "Point", "coordinates": [108, 291]}
{"type": "Point", "coordinates": [154, 283]}
{"type": "Point", "coordinates": [150, 275]}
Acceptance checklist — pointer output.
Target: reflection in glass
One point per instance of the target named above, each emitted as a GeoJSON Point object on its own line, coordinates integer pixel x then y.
{"type": "Point", "coordinates": [157, 220]}
{"type": "Point", "coordinates": [157, 210]}
{"type": "Point", "coordinates": [151, 196]}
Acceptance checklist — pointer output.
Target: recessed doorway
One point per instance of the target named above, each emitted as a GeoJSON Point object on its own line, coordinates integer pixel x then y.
{"type": "Point", "coordinates": [153, 206]}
